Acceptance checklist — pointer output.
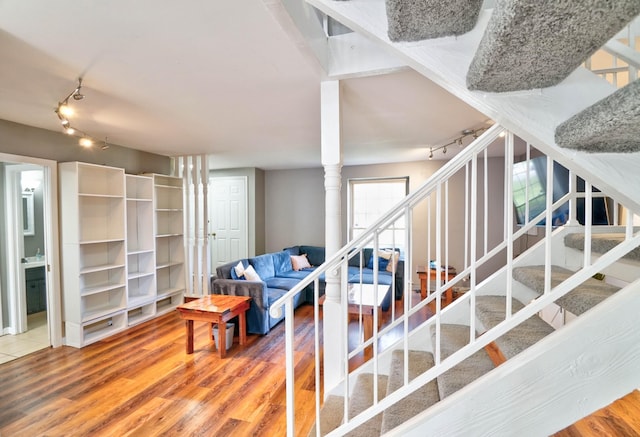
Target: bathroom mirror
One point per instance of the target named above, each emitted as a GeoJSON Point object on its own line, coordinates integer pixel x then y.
{"type": "Point", "coordinates": [27, 213]}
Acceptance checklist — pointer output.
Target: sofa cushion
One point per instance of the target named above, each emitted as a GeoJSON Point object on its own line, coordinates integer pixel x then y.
{"type": "Point", "coordinates": [293, 250]}
{"type": "Point", "coordinates": [384, 277]}
{"type": "Point", "coordinates": [296, 274]}
{"type": "Point", "coordinates": [315, 254]}
{"type": "Point", "coordinates": [263, 264]}
{"type": "Point", "coordinates": [366, 257]}
{"type": "Point", "coordinates": [281, 262]}
{"type": "Point", "coordinates": [282, 283]}
{"type": "Point", "coordinates": [385, 257]}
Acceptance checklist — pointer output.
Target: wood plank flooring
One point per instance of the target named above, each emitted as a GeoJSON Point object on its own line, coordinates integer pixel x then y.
{"type": "Point", "coordinates": [142, 383]}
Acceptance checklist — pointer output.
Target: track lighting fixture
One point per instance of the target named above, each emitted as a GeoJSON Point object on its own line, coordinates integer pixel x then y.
{"type": "Point", "coordinates": [475, 133]}
{"type": "Point", "coordinates": [64, 111]}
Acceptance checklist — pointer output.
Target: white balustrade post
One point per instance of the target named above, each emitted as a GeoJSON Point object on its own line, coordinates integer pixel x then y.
{"type": "Point", "coordinates": [332, 162]}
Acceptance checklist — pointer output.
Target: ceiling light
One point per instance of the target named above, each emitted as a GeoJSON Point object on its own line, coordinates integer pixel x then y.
{"type": "Point", "coordinates": [64, 110]}
{"type": "Point", "coordinates": [465, 133]}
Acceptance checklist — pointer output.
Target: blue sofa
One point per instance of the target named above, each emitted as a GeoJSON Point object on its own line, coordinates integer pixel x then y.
{"type": "Point", "coordinates": [278, 277]}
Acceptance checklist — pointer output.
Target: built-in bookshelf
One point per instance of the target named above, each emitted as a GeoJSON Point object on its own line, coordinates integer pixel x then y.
{"type": "Point", "coordinates": [92, 205]}
{"type": "Point", "coordinates": [169, 241]}
{"type": "Point", "coordinates": [122, 249]}
{"type": "Point", "coordinates": [141, 274]}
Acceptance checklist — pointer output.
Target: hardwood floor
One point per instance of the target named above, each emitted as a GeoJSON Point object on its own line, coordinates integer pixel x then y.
{"type": "Point", "coordinates": [142, 383]}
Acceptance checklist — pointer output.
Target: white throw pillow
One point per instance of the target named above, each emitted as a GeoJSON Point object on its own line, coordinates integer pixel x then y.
{"type": "Point", "coordinates": [239, 268]}
{"type": "Point", "coordinates": [250, 274]}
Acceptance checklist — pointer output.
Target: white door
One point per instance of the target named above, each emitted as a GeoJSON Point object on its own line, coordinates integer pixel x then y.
{"type": "Point", "coordinates": [228, 230]}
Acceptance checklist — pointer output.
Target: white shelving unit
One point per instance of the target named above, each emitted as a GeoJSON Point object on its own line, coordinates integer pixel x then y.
{"type": "Point", "coordinates": [92, 200]}
{"type": "Point", "coordinates": [169, 241]}
{"type": "Point", "coordinates": [141, 274]}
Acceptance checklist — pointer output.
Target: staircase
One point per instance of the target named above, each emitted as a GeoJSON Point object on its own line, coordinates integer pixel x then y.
{"type": "Point", "coordinates": [490, 312]}
{"type": "Point", "coordinates": [519, 64]}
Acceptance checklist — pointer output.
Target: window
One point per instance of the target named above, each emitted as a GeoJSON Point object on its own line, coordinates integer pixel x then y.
{"type": "Point", "coordinates": [369, 199]}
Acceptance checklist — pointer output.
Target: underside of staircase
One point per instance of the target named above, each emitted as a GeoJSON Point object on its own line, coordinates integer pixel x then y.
{"type": "Point", "coordinates": [518, 63]}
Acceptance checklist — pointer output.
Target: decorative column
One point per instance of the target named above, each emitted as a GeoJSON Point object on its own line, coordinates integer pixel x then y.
{"type": "Point", "coordinates": [334, 327]}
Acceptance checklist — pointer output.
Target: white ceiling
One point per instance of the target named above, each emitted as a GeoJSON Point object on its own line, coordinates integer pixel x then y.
{"type": "Point", "coordinates": [224, 78]}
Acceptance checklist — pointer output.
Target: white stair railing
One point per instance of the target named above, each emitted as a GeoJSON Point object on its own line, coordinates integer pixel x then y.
{"type": "Point", "coordinates": [449, 220]}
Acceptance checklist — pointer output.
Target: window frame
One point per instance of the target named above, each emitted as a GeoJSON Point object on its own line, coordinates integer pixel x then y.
{"type": "Point", "coordinates": [352, 182]}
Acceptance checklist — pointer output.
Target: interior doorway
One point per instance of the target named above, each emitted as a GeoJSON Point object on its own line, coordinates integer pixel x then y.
{"type": "Point", "coordinates": [30, 314]}
{"type": "Point", "coordinates": [228, 231]}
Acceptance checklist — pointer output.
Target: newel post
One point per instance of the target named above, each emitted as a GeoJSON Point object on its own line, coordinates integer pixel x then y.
{"type": "Point", "coordinates": [332, 162]}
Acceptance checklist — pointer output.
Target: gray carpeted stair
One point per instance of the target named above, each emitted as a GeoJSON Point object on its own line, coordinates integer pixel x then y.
{"type": "Point", "coordinates": [452, 338]}
{"type": "Point", "coordinates": [582, 298]}
{"type": "Point", "coordinates": [416, 402]}
{"type": "Point", "coordinates": [536, 44]}
{"type": "Point", "coordinates": [414, 20]}
{"type": "Point", "coordinates": [601, 243]}
{"type": "Point", "coordinates": [361, 399]}
{"type": "Point", "coordinates": [330, 415]}
{"type": "Point", "coordinates": [610, 125]}
{"type": "Point", "coordinates": [490, 310]}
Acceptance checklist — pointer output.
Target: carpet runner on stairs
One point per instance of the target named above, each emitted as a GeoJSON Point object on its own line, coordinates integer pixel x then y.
{"type": "Point", "coordinates": [416, 402]}
{"type": "Point", "coordinates": [425, 19]}
{"type": "Point", "coordinates": [611, 125]}
{"type": "Point", "coordinates": [490, 310]}
{"type": "Point", "coordinates": [602, 243]}
{"type": "Point", "coordinates": [532, 44]}
{"type": "Point", "coordinates": [362, 398]}
{"type": "Point", "coordinates": [453, 338]}
{"type": "Point", "coordinates": [582, 298]}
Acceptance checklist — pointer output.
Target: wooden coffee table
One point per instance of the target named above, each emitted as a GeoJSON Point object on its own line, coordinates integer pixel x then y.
{"type": "Point", "coordinates": [216, 309]}
{"type": "Point", "coordinates": [361, 296]}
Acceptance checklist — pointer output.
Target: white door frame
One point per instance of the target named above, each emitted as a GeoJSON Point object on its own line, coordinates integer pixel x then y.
{"type": "Point", "coordinates": [15, 248]}
{"type": "Point", "coordinates": [51, 243]}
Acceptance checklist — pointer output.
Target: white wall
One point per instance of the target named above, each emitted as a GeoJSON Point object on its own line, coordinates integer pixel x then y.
{"type": "Point", "coordinates": [295, 207]}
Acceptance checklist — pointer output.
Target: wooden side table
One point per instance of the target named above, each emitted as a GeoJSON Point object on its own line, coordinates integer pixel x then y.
{"type": "Point", "coordinates": [215, 309]}
{"type": "Point", "coordinates": [425, 272]}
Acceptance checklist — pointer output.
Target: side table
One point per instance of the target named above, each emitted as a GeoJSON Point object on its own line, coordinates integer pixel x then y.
{"type": "Point", "coordinates": [215, 309]}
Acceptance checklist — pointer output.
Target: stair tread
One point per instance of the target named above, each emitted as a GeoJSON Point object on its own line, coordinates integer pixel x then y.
{"type": "Point", "coordinates": [490, 310]}
{"type": "Point", "coordinates": [414, 21]}
{"type": "Point", "coordinates": [330, 415]}
{"type": "Point", "coordinates": [582, 298]}
{"type": "Point", "coordinates": [454, 337]}
{"type": "Point", "coordinates": [362, 398]}
{"type": "Point", "coordinates": [559, 37]}
{"type": "Point", "coordinates": [610, 125]}
{"type": "Point", "coordinates": [416, 402]}
{"type": "Point", "coordinates": [601, 243]}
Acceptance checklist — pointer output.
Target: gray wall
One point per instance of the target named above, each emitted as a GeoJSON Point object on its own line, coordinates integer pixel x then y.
{"type": "Point", "coordinates": [295, 207]}
{"type": "Point", "coordinates": [19, 139]}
